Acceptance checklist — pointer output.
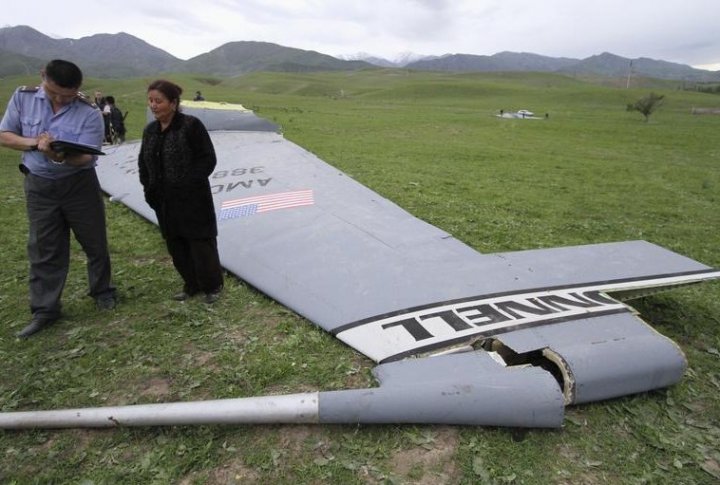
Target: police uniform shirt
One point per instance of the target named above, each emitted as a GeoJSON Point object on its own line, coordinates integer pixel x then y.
{"type": "Point", "coordinates": [29, 113]}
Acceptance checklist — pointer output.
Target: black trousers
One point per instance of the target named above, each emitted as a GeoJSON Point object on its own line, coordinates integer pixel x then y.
{"type": "Point", "coordinates": [198, 263]}
{"type": "Point", "coordinates": [54, 208]}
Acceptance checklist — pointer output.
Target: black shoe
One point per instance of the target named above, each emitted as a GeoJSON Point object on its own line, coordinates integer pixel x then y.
{"type": "Point", "coordinates": [212, 297]}
{"type": "Point", "coordinates": [183, 295]}
{"type": "Point", "coordinates": [106, 302]}
{"type": "Point", "coordinates": [35, 325]}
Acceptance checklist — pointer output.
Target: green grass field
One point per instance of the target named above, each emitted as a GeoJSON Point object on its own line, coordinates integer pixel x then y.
{"type": "Point", "coordinates": [591, 172]}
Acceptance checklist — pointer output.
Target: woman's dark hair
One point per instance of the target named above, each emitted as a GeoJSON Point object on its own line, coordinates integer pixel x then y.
{"type": "Point", "coordinates": [110, 99]}
{"type": "Point", "coordinates": [171, 90]}
{"type": "Point", "coordinates": [64, 73]}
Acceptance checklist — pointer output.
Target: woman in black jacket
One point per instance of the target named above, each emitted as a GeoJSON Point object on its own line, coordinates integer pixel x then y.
{"type": "Point", "coordinates": [176, 158]}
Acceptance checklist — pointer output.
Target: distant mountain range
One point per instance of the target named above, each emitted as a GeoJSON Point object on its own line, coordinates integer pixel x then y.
{"type": "Point", "coordinates": [400, 60]}
{"type": "Point", "coordinates": [24, 50]}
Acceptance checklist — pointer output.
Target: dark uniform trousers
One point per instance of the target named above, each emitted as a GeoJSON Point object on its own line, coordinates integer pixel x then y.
{"type": "Point", "coordinates": [55, 207]}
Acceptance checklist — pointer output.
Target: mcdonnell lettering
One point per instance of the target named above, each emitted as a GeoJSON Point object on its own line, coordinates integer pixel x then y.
{"type": "Point", "coordinates": [467, 318]}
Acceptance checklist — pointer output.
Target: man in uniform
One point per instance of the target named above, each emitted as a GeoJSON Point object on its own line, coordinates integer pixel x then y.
{"type": "Point", "coordinates": [61, 188]}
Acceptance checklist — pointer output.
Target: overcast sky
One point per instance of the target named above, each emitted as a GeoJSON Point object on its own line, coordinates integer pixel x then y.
{"type": "Point", "coordinates": [684, 31]}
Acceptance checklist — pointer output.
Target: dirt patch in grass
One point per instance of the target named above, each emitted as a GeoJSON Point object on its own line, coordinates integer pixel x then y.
{"type": "Point", "coordinates": [253, 321]}
{"type": "Point", "coordinates": [431, 463]}
{"type": "Point", "coordinates": [156, 387]}
{"type": "Point", "coordinates": [232, 473]}
{"type": "Point", "coordinates": [198, 358]}
{"type": "Point", "coordinates": [712, 467]}
{"type": "Point", "coordinates": [292, 438]}
{"type": "Point", "coordinates": [568, 453]}
{"type": "Point", "coordinates": [81, 438]}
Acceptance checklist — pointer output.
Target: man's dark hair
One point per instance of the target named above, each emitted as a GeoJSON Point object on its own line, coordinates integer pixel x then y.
{"type": "Point", "coordinates": [64, 73]}
{"type": "Point", "coordinates": [110, 99]}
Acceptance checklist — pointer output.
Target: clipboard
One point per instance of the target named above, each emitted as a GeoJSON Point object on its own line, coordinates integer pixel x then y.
{"type": "Point", "coordinates": [72, 147]}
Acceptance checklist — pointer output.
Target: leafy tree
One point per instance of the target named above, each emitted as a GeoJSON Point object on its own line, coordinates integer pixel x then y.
{"type": "Point", "coordinates": [647, 104]}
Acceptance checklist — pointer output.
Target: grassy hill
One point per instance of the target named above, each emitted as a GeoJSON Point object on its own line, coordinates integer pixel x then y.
{"type": "Point", "coordinates": [11, 64]}
{"type": "Point", "coordinates": [591, 172]}
{"type": "Point", "coordinates": [236, 58]}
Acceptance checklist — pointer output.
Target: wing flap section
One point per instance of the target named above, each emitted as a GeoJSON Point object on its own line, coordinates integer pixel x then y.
{"type": "Point", "coordinates": [601, 357]}
{"type": "Point", "coordinates": [469, 388]}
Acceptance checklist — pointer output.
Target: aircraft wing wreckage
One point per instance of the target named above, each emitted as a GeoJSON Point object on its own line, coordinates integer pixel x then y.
{"type": "Point", "coordinates": [505, 339]}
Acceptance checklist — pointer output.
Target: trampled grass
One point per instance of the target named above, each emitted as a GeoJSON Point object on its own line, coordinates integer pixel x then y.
{"type": "Point", "coordinates": [591, 172]}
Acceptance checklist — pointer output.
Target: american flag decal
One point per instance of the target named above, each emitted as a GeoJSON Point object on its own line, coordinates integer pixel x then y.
{"type": "Point", "coordinates": [248, 206]}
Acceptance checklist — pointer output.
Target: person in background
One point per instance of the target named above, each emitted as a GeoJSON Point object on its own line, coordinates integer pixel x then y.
{"type": "Point", "coordinates": [99, 100]}
{"type": "Point", "coordinates": [101, 103]}
{"type": "Point", "coordinates": [62, 189]}
{"type": "Point", "coordinates": [198, 96]}
{"type": "Point", "coordinates": [175, 160]}
{"type": "Point", "coordinates": [116, 118]}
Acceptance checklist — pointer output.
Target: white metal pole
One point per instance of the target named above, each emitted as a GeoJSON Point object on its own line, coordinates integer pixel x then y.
{"type": "Point", "coordinates": [293, 408]}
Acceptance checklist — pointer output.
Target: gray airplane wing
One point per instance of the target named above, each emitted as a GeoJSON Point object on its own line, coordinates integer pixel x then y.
{"type": "Point", "coordinates": [393, 286]}
{"type": "Point", "coordinates": [503, 339]}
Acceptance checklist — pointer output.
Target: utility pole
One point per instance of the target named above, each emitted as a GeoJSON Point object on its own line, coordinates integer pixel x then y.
{"type": "Point", "coordinates": [629, 75]}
